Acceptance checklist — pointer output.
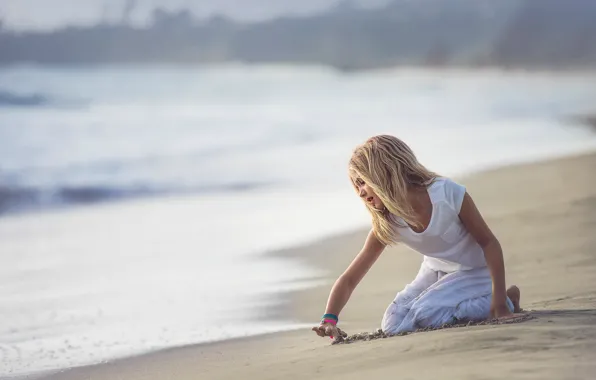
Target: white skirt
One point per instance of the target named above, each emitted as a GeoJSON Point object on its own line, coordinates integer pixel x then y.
{"type": "Point", "coordinates": [436, 298]}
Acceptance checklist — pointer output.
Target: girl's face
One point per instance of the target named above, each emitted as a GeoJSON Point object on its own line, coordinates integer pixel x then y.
{"type": "Point", "coordinates": [368, 195]}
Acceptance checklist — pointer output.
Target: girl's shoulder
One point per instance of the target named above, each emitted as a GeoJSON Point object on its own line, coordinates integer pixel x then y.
{"type": "Point", "coordinates": [447, 190]}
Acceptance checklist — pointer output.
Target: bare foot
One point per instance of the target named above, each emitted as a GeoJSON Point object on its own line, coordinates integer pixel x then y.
{"type": "Point", "coordinates": [514, 295]}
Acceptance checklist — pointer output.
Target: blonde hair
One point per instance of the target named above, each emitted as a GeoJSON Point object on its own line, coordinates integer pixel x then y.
{"type": "Point", "coordinates": [388, 166]}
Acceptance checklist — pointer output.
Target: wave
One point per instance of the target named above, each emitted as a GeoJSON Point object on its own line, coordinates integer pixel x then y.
{"type": "Point", "coordinates": [9, 99]}
{"type": "Point", "coordinates": [28, 199]}
{"type": "Point", "coordinates": [33, 100]}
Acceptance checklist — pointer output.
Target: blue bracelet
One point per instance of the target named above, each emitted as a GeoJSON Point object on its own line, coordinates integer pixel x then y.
{"type": "Point", "coordinates": [330, 316]}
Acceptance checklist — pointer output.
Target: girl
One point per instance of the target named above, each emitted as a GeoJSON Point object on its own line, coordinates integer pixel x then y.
{"type": "Point", "coordinates": [462, 276]}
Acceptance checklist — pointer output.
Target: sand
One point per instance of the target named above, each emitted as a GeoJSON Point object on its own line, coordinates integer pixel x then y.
{"type": "Point", "coordinates": [545, 217]}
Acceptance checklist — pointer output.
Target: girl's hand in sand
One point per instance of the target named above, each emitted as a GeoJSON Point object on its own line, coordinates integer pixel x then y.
{"type": "Point", "coordinates": [327, 329]}
{"type": "Point", "coordinates": [502, 312]}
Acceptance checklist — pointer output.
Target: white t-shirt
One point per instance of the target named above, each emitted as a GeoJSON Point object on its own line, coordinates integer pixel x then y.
{"type": "Point", "coordinates": [446, 244]}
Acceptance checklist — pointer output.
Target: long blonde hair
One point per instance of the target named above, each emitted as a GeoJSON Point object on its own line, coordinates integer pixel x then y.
{"type": "Point", "coordinates": [388, 166]}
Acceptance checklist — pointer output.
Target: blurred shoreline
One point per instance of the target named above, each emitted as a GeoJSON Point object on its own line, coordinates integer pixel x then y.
{"type": "Point", "coordinates": [30, 185]}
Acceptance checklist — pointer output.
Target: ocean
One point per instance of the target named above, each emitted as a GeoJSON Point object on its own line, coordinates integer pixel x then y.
{"type": "Point", "coordinates": [136, 203]}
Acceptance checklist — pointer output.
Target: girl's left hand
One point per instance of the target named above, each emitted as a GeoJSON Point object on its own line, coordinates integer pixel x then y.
{"type": "Point", "coordinates": [502, 312]}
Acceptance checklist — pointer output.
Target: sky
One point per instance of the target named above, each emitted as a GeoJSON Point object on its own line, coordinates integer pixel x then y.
{"type": "Point", "coordinates": [50, 14]}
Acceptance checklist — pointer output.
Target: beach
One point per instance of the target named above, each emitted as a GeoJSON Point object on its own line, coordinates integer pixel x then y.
{"type": "Point", "coordinates": [177, 191]}
{"type": "Point", "coordinates": [220, 210]}
{"type": "Point", "coordinates": [544, 215]}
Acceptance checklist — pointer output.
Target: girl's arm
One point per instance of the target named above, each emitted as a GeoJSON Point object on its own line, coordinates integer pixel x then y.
{"type": "Point", "coordinates": [475, 224]}
{"type": "Point", "coordinates": [347, 282]}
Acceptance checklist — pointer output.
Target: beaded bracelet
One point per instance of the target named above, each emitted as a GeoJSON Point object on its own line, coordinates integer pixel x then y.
{"type": "Point", "coordinates": [331, 319]}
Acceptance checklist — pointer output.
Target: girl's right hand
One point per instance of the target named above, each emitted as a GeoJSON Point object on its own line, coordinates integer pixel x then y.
{"type": "Point", "coordinates": [330, 330]}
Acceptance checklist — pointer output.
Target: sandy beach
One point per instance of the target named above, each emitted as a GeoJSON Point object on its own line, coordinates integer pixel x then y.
{"type": "Point", "coordinates": [544, 215]}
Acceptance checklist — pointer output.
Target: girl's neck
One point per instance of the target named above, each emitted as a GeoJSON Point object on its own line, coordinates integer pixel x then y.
{"type": "Point", "coordinates": [421, 204]}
